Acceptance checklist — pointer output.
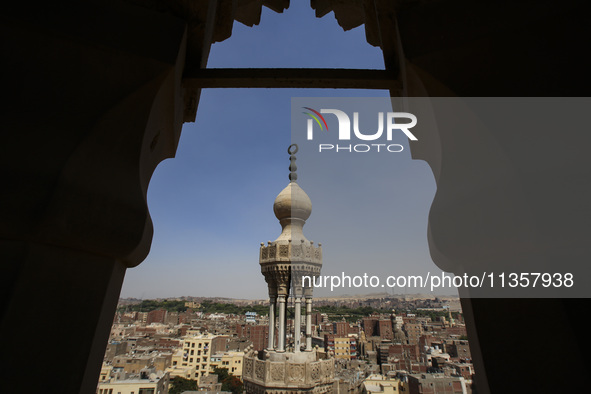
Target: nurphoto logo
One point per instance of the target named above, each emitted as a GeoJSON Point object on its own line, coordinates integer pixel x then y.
{"type": "Point", "coordinates": [391, 119]}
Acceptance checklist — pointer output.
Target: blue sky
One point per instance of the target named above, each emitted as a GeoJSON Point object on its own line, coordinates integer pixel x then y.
{"type": "Point", "coordinates": [212, 204]}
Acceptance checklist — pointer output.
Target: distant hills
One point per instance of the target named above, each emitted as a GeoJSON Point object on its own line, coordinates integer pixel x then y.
{"type": "Point", "coordinates": [346, 297]}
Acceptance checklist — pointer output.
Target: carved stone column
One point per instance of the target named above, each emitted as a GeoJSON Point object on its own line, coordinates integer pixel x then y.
{"type": "Point", "coordinates": [271, 323]}
{"type": "Point", "coordinates": [309, 324]}
{"type": "Point", "coordinates": [281, 339]}
{"type": "Point", "coordinates": [297, 330]}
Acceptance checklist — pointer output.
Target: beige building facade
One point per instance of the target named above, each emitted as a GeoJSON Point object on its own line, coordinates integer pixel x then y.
{"type": "Point", "coordinates": [232, 361]}
{"type": "Point", "coordinates": [379, 384]}
{"type": "Point", "coordinates": [135, 386]}
{"type": "Point", "coordinates": [195, 353]}
{"type": "Point", "coordinates": [183, 372]}
{"type": "Point", "coordinates": [342, 348]}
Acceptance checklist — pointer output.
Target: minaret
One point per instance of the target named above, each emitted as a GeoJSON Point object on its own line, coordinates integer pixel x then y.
{"type": "Point", "coordinates": [452, 323]}
{"type": "Point", "coordinates": [290, 263]}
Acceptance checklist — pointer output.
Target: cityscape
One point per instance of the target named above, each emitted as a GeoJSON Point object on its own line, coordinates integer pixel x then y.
{"type": "Point", "coordinates": [379, 344]}
{"type": "Point", "coordinates": [290, 342]}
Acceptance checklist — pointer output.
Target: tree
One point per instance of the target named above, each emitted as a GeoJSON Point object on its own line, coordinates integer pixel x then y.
{"type": "Point", "coordinates": [229, 382]}
{"type": "Point", "coordinates": [233, 384]}
{"type": "Point", "coordinates": [222, 373]}
{"type": "Point", "coordinates": [180, 384]}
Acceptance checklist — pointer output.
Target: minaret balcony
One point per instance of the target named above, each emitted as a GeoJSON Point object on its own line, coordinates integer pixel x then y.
{"type": "Point", "coordinates": [304, 252]}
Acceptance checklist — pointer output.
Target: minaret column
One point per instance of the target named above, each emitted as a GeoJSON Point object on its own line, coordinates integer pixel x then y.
{"type": "Point", "coordinates": [281, 340]}
{"type": "Point", "coordinates": [297, 330]}
{"type": "Point", "coordinates": [308, 324]}
{"type": "Point", "coordinates": [271, 344]}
